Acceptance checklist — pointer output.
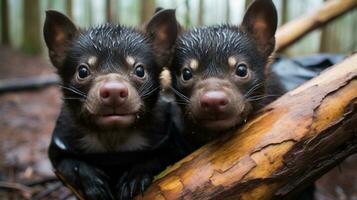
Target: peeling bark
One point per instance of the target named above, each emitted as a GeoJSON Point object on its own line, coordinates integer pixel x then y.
{"type": "Point", "coordinates": [288, 145]}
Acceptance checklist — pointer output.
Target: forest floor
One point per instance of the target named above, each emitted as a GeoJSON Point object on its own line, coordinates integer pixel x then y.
{"type": "Point", "coordinates": [27, 119]}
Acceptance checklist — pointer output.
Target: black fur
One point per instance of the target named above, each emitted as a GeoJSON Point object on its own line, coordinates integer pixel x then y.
{"type": "Point", "coordinates": [111, 174]}
{"type": "Point", "coordinates": [252, 43]}
{"type": "Point", "coordinates": [111, 44]}
{"type": "Point", "coordinates": [212, 46]}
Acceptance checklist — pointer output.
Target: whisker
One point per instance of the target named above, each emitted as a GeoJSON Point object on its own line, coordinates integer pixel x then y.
{"type": "Point", "coordinates": [179, 101]}
{"type": "Point", "coordinates": [144, 87]}
{"type": "Point", "coordinates": [260, 97]}
{"type": "Point", "coordinates": [149, 92]}
{"type": "Point", "coordinates": [73, 90]}
{"type": "Point", "coordinates": [72, 98]}
{"type": "Point", "coordinates": [182, 103]}
{"type": "Point", "coordinates": [252, 89]}
{"type": "Point", "coordinates": [182, 96]}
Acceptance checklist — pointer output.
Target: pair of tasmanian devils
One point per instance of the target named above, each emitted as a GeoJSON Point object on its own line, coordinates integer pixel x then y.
{"type": "Point", "coordinates": [116, 129]}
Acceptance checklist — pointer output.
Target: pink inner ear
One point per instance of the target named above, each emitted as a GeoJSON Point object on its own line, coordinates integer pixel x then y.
{"type": "Point", "coordinates": [60, 36]}
{"type": "Point", "coordinates": [260, 29]}
{"type": "Point", "coordinates": [162, 36]}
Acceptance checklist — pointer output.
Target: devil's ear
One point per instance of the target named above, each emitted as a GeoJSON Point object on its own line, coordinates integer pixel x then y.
{"type": "Point", "coordinates": [260, 21]}
{"type": "Point", "coordinates": [158, 9]}
{"type": "Point", "coordinates": [162, 31]}
{"type": "Point", "coordinates": [59, 31]}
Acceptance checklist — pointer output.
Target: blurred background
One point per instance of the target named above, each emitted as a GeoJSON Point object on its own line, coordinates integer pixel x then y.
{"type": "Point", "coordinates": [21, 20]}
{"type": "Point", "coordinates": [27, 117]}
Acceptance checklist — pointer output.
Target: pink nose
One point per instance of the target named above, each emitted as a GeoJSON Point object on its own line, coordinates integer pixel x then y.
{"type": "Point", "coordinates": [113, 93]}
{"type": "Point", "coordinates": [214, 100]}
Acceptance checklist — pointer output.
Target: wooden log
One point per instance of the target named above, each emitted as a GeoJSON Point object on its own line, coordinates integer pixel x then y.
{"type": "Point", "coordinates": [288, 145]}
{"type": "Point", "coordinates": [5, 39]}
{"type": "Point", "coordinates": [296, 29]}
{"type": "Point", "coordinates": [19, 84]}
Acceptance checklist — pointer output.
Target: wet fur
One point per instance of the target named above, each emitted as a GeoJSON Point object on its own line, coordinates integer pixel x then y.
{"type": "Point", "coordinates": [97, 162]}
{"type": "Point", "coordinates": [214, 49]}
{"type": "Point", "coordinates": [212, 46]}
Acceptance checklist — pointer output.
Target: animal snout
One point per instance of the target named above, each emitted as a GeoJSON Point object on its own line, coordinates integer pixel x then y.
{"type": "Point", "coordinates": [113, 93]}
{"type": "Point", "coordinates": [214, 100]}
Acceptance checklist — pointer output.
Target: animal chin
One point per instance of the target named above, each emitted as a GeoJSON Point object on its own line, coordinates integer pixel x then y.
{"type": "Point", "coordinates": [105, 117]}
{"type": "Point", "coordinates": [218, 122]}
{"type": "Point", "coordinates": [115, 120]}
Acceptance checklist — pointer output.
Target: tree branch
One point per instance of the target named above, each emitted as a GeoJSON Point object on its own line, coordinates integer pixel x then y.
{"type": "Point", "coordinates": [288, 145]}
{"type": "Point", "coordinates": [18, 84]}
{"type": "Point", "coordinates": [293, 31]}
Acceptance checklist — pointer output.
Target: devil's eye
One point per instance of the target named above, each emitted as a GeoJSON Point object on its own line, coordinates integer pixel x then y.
{"type": "Point", "coordinates": [186, 74]}
{"type": "Point", "coordinates": [83, 71]}
{"type": "Point", "coordinates": [241, 70]}
{"type": "Point", "coordinates": [139, 71]}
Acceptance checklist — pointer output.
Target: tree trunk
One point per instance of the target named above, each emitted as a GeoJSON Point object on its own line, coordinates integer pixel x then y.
{"type": "Point", "coordinates": [288, 145]}
{"type": "Point", "coordinates": [116, 4]}
{"type": "Point", "coordinates": [147, 9]}
{"type": "Point", "coordinates": [228, 11]}
{"type": "Point", "coordinates": [69, 8]}
{"type": "Point", "coordinates": [284, 11]}
{"type": "Point", "coordinates": [108, 10]}
{"type": "Point", "coordinates": [187, 14]}
{"type": "Point", "coordinates": [200, 12]}
{"type": "Point", "coordinates": [50, 4]}
{"type": "Point", "coordinates": [295, 30]}
{"type": "Point", "coordinates": [89, 15]}
{"type": "Point", "coordinates": [4, 22]}
{"type": "Point", "coordinates": [32, 34]}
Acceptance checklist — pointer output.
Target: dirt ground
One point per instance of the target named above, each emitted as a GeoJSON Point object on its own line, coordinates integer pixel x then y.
{"type": "Point", "coordinates": [27, 119]}
{"type": "Point", "coordinates": [26, 122]}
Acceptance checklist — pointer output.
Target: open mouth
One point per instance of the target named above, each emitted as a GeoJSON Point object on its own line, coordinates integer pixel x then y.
{"type": "Point", "coordinates": [117, 120]}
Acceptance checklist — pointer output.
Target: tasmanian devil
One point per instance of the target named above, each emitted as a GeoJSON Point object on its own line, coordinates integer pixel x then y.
{"type": "Point", "coordinates": [221, 74]}
{"type": "Point", "coordinates": [112, 134]}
